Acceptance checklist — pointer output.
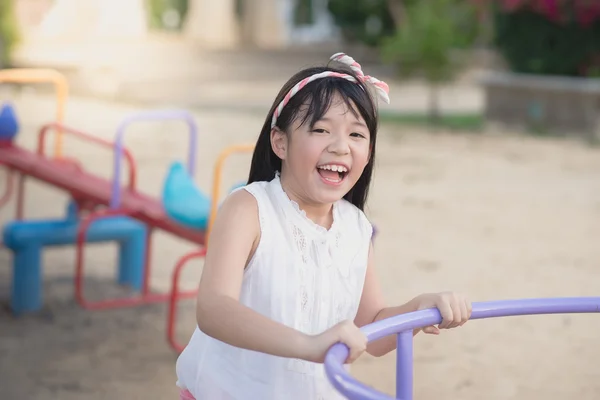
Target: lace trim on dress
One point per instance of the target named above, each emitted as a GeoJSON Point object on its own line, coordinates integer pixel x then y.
{"type": "Point", "coordinates": [320, 229]}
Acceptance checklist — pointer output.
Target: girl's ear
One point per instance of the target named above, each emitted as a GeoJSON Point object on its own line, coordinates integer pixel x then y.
{"type": "Point", "coordinates": [279, 142]}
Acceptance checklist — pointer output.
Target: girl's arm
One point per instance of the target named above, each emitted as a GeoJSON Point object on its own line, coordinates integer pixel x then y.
{"type": "Point", "coordinates": [454, 308]}
{"type": "Point", "coordinates": [374, 308]}
{"type": "Point", "coordinates": [233, 240]}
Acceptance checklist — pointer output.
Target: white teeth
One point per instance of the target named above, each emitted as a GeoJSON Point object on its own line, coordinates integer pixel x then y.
{"type": "Point", "coordinates": [335, 168]}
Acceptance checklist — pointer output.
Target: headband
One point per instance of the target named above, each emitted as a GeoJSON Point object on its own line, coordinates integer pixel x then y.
{"type": "Point", "coordinates": [381, 87]}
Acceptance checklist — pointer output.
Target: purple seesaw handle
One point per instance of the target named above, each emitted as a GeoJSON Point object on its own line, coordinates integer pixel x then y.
{"type": "Point", "coordinates": [184, 115]}
{"type": "Point", "coordinates": [404, 324]}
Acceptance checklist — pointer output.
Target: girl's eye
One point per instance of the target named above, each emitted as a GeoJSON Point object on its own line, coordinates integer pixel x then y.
{"type": "Point", "coordinates": [359, 135]}
{"type": "Point", "coordinates": [319, 130]}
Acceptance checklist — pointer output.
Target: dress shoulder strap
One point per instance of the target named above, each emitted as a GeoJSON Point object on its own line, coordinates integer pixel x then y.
{"type": "Point", "coordinates": [266, 210]}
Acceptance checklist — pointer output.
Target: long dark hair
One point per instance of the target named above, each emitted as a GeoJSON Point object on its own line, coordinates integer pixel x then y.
{"type": "Point", "coordinates": [318, 96]}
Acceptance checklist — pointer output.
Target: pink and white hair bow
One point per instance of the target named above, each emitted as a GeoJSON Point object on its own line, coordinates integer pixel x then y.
{"type": "Point", "coordinates": [381, 87]}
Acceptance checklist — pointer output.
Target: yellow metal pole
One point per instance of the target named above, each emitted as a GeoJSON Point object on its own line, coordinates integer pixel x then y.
{"type": "Point", "coordinates": [43, 75]}
{"type": "Point", "coordinates": [217, 176]}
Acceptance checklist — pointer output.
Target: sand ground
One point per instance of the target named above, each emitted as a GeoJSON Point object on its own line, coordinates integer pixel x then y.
{"type": "Point", "coordinates": [496, 216]}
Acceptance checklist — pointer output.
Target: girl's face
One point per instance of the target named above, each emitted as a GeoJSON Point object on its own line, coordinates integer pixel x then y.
{"type": "Point", "coordinates": [320, 164]}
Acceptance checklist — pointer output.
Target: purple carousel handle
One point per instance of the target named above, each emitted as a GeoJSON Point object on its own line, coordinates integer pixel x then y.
{"type": "Point", "coordinates": [186, 116]}
{"type": "Point", "coordinates": [404, 324]}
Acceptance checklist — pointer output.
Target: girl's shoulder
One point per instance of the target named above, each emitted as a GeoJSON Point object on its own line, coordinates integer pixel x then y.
{"type": "Point", "coordinates": [238, 202]}
{"type": "Point", "coordinates": [258, 197]}
{"type": "Point", "coordinates": [258, 191]}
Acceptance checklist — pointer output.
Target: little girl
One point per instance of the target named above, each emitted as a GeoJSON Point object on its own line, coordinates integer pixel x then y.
{"type": "Point", "coordinates": [289, 270]}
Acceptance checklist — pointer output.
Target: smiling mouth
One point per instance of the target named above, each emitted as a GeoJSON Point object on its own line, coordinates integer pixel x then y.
{"type": "Point", "coordinates": [332, 173]}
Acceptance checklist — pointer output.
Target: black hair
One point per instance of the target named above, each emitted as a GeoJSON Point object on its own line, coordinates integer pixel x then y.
{"type": "Point", "coordinates": [310, 104]}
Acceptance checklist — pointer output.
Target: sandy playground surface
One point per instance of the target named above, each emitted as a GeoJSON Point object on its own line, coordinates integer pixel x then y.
{"type": "Point", "coordinates": [497, 216]}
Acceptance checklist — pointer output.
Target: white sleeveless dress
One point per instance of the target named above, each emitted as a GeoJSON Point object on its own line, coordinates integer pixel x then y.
{"type": "Point", "coordinates": [301, 275]}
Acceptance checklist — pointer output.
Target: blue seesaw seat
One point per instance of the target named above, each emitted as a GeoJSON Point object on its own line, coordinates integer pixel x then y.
{"type": "Point", "coordinates": [183, 201]}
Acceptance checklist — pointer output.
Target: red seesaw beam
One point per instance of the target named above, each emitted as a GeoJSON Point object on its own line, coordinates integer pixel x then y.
{"type": "Point", "coordinates": [89, 187]}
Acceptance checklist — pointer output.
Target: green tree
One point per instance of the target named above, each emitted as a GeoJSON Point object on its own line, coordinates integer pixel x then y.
{"type": "Point", "coordinates": [425, 43]}
{"type": "Point", "coordinates": [156, 10]}
{"type": "Point", "coordinates": [364, 21]}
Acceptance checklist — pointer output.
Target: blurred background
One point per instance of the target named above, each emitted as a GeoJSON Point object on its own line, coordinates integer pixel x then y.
{"type": "Point", "coordinates": [487, 179]}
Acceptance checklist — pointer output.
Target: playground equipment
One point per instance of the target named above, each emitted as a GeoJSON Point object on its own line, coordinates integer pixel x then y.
{"type": "Point", "coordinates": [27, 239]}
{"type": "Point", "coordinates": [131, 203]}
{"type": "Point", "coordinates": [184, 205]}
{"type": "Point", "coordinates": [43, 75]}
{"type": "Point", "coordinates": [87, 191]}
{"type": "Point", "coordinates": [9, 126]}
{"type": "Point", "coordinates": [183, 201]}
{"type": "Point", "coordinates": [176, 295]}
{"type": "Point", "coordinates": [103, 210]}
{"type": "Point", "coordinates": [403, 326]}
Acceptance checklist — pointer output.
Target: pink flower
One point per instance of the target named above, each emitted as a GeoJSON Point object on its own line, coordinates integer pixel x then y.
{"type": "Point", "coordinates": [550, 9]}
{"type": "Point", "coordinates": [585, 12]}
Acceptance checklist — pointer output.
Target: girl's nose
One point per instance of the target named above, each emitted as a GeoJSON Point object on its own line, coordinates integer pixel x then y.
{"type": "Point", "coordinates": [339, 145]}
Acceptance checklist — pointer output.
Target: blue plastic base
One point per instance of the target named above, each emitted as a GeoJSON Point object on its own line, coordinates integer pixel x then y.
{"type": "Point", "coordinates": [27, 239]}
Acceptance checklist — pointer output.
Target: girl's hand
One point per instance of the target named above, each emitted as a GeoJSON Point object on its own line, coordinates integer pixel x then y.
{"type": "Point", "coordinates": [345, 332]}
{"type": "Point", "coordinates": [455, 309]}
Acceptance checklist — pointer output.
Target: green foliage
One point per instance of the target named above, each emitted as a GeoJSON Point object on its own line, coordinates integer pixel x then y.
{"type": "Point", "coordinates": [424, 44]}
{"type": "Point", "coordinates": [370, 21]}
{"type": "Point", "coordinates": [9, 31]}
{"type": "Point", "coordinates": [157, 8]}
{"type": "Point", "coordinates": [582, 12]}
{"type": "Point", "coordinates": [303, 13]}
{"type": "Point", "coordinates": [364, 21]}
{"type": "Point", "coordinates": [531, 43]}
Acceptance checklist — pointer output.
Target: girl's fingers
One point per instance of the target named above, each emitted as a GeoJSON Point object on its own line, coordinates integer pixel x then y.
{"type": "Point", "coordinates": [464, 312]}
{"type": "Point", "coordinates": [469, 306]}
{"type": "Point", "coordinates": [447, 315]}
{"type": "Point", "coordinates": [431, 330]}
{"type": "Point", "coordinates": [456, 312]}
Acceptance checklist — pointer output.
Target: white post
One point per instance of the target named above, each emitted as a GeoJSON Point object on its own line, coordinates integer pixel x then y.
{"type": "Point", "coordinates": [265, 23]}
{"type": "Point", "coordinates": [212, 23]}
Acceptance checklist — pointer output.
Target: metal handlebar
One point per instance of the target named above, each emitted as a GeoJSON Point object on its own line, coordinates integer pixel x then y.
{"type": "Point", "coordinates": [404, 324]}
{"type": "Point", "coordinates": [186, 116]}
